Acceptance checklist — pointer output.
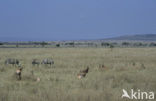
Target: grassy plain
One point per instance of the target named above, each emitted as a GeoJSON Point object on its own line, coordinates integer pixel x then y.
{"type": "Point", "coordinates": [126, 68]}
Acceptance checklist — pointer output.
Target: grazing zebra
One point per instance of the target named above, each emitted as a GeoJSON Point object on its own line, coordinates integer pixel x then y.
{"type": "Point", "coordinates": [83, 73]}
{"type": "Point", "coordinates": [19, 73]}
{"type": "Point", "coordinates": [48, 61]}
{"type": "Point", "coordinates": [35, 62]}
{"type": "Point", "coordinates": [12, 61]}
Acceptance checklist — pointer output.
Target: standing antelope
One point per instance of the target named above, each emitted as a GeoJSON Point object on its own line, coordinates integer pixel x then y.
{"type": "Point", "coordinates": [19, 73]}
{"type": "Point", "coordinates": [83, 73]}
{"type": "Point", "coordinates": [80, 75]}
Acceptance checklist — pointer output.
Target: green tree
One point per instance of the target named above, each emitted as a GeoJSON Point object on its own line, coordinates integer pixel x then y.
{"type": "Point", "coordinates": [58, 45]}
{"type": "Point", "coordinates": [152, 44]}
{"type": "Point", "coordinates": [105, 44]}
{"type": "Point", "coordinates": [1, 43]}
{"type": "Point", "coordinates": [17, 45]}
{"type": "Point", "coordinates": [43, 44]}
{"type": "Point", "coordinates": [125, 44]}
{"type": "Point", "coordinates": [138, 44]}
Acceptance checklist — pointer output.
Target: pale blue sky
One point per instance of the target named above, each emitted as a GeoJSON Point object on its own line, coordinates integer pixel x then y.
{"type": "Point", "coordinates": [76, 19]}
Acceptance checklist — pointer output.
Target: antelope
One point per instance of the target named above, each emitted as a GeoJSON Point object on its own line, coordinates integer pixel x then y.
{"type": "Point", "coordinates": [102, 66]}
{"type": "Point", "coordinates": [19, 73]}
{"type": "Point", "coordinates": [83, 73]}
{"type": "Point", "coordinates": [80, 75]}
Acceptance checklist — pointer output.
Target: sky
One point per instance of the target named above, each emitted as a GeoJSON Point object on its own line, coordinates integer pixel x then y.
{"type": "Point", "coordinates": [75, 19]}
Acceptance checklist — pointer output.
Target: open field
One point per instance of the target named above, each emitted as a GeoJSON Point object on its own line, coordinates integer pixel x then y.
{"type": "Point", "coordinates": [126, 68]}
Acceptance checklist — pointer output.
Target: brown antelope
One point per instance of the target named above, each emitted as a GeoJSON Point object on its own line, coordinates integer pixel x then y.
{"type": "Point", "coordinates": [80, 75]}
{"type": "Point", "coordinates": [83, 73]}
{"type": "Point", "coordinates": [19, 73]}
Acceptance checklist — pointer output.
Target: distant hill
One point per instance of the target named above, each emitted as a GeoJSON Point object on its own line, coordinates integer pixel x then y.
{"type": "Point", "coordinates": [141, 37]}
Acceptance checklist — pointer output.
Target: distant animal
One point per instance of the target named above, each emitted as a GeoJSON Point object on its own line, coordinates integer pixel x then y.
{"type": "Point", "coordinates": [48, 61]}
{"type": "Point", "coordinates": [12, 61]}
{"type": "Point", "coordinates": [38, 79]}
{"type": "Point", "coordinates": [83, 73]}
{"type": "Point", "coordinates": [19, 73]}
{"type": "Point", "coordinates": [102, 66]}
{"type": "Point", "coordinates": [35, 62]}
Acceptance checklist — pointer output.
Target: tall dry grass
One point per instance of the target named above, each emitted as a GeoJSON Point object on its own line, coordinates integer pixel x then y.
{"type": "Point", "coordinates": [128, 68]}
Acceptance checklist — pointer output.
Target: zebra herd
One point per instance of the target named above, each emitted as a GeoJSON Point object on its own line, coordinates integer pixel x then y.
{"type": "Point", "coordinates": [13, 61]}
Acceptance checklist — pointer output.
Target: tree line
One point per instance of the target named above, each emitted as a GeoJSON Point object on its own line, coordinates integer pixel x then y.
{"type": "Point", "coordinates": [78, 44]}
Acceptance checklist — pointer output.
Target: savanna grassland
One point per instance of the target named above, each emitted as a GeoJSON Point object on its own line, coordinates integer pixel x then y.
{"type": "Point", "coordinates": [125, 68]}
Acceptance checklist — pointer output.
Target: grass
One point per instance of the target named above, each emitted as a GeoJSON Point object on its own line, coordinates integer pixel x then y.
{"type": "Point", "coordinates": [126, 68]}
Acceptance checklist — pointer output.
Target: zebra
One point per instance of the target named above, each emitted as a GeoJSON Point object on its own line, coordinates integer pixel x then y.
{"type": "Point", "coordinates": [35, 62]}
{"type": "Point", "coordinates": [12, 61]}
{"type": "Point", "coordinates": [47, 61]}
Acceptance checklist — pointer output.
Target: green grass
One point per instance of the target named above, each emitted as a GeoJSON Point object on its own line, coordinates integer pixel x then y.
{"type": "Point", "coordinates": [128, 68]}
